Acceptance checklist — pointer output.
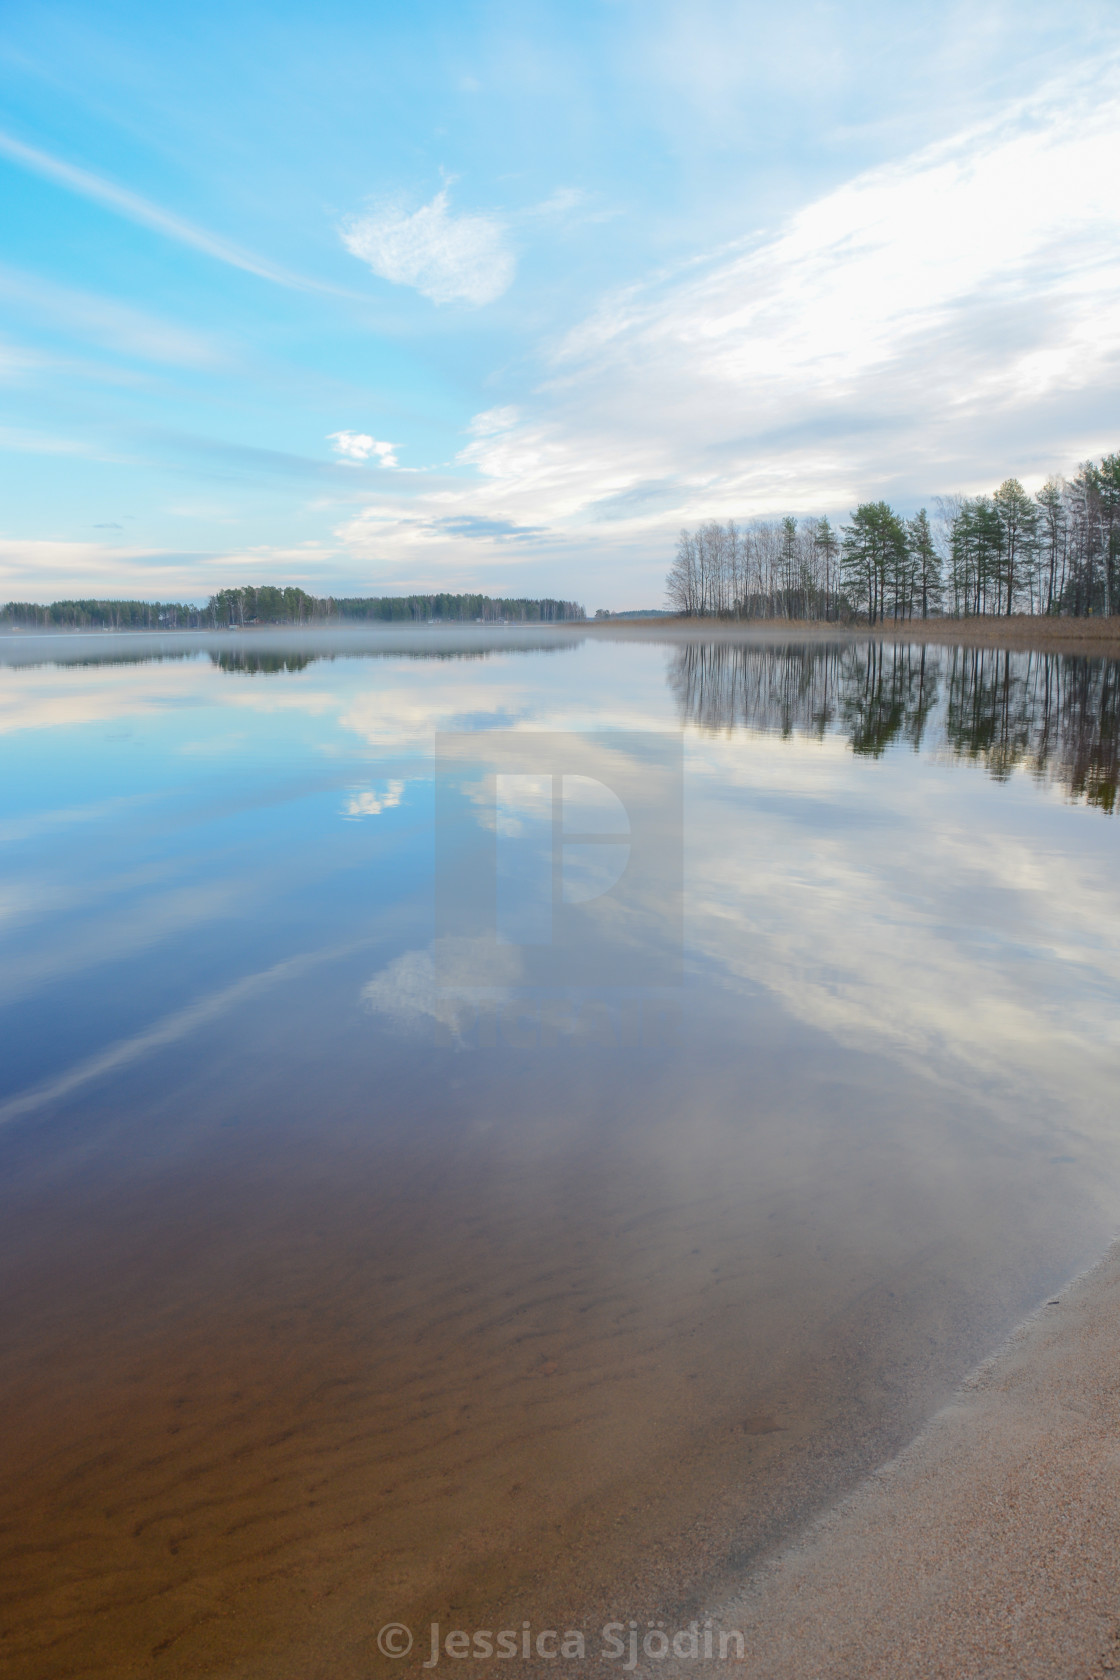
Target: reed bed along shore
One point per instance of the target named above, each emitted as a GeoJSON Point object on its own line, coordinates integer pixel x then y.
{"type": "Point", "coordinates": [1021, 632]}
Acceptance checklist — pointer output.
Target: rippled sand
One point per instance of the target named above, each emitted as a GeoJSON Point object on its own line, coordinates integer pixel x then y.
{"type": "Point", "coordinates": [258, 1403]}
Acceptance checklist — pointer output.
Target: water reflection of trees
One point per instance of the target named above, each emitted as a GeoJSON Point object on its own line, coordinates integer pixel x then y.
{"type": "Point", "coordinates": [259, 664]}
{"type": "Point", "coordinates": [1057, 715]}
{"type": "Point", "coordinates": [254, 664]}
{"type": "Point", "coordinates": [393, 644]}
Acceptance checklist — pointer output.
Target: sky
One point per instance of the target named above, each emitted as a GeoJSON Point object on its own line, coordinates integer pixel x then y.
{"type": "Point", "coordinates": [374, 298]}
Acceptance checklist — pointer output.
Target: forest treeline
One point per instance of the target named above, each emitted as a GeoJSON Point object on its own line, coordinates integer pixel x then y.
{"type": "Point", "coordinates": [1057, 715]}
{"type": "Point", "coordinates": [1057, 551]}
{"type": "Point", "coordinates": [271, 604]}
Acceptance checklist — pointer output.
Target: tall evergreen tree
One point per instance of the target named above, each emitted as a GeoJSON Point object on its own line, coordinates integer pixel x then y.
{"type": "Point", "coordinates": [874, 549]}
{"type": "Point", "coordinates": [826, 552]}
{"type": "Point", "coordinates": [926, 563]}
{"type": "Point", "coordinates": [1108, 480]}
{"type": "Point", "coordinates": [1018, 519]}
{"type": "Point", "coordinates": [976, 547]}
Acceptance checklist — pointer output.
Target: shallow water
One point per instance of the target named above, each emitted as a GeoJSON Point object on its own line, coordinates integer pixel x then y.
{"type": "Point", "coordinates": [431, 1195]}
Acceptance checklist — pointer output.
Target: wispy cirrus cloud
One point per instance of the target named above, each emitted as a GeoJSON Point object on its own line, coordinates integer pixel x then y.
{"type": "Point", "coordinates": [927, 326]}
{"type": "Point", "coordinates": [108, 323]}
{"type": "Point", "coordinates": [447, 258]}
{"type": "Point", "coordinates": [993, 256]}
{"type": "Point", "coordinates": [48, 570]}
{"type": "Point", "coordinates": [136, 208]}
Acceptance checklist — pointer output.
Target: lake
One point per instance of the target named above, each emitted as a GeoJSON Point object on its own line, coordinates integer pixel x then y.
{"type": "Point", "coordinates": [502, 1126]}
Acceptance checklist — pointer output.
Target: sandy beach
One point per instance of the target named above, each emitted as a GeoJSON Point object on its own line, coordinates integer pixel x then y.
{"type": "Point", "coordinates": [989, 1548]}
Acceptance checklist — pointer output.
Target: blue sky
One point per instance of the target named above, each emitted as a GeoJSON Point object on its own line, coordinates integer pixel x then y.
{"type": "Point", "coordinates": [378, 298]}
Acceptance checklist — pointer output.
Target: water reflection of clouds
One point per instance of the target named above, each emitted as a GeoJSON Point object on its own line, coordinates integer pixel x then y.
{"type": "Point", "coordinates": [397, 712]}
{"type": "Point", "coordinates": [917, 913]}
{"type": "Point", "coordinates": [48, 698]}
{"type": "Point", "coordinates": [168, 1030]}
{"type": "Point", "coordinates": [34, 824]}
{"type": "Point", "coordinates": [410, 994]}
{"type": "Point", "coordinates": [406, 708]}
{"type": "Point", "coordinates": [902, 903]}
{"type": "Point", "coordinates": [369, 802]}
{"type": "Point", "coordinates": [124, 924]}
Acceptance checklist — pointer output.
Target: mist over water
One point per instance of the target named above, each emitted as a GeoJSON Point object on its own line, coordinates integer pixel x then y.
{"type": "Point", "coordinates": [352, 1272]}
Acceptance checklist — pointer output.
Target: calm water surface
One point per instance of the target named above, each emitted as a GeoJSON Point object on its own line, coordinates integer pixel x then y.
{"type": "Point", "coordinates": [351, 1272]}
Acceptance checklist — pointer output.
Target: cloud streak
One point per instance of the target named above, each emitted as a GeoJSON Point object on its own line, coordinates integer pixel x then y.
{"type": "Point", "coordinates": [47, 570]}
{"type": "Point", "coordinates": [168, 1030]}
{"type": "Point", "coordinates": [135, 208]}
{"type": "Point", "coordinates": [116, 326]}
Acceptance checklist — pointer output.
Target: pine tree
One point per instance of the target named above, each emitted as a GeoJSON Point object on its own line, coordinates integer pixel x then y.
{"type": "Point", "coordinates": [926, 563]}
{"type": "Point", "coordinates": [874, 550]}
{"type": "Point", "coordinates": [1018, 519]}
{"type": "Point", "coordinates": [1108, 480]}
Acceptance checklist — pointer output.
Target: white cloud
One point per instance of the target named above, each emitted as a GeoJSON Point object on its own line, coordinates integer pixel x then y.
{"type": "Point", "coordinates": [365, 802]}
{"type": "Point", "coordinates": [359, 446]}
{"type": "Point", "coordinates": [928, 326]}
{"type": "Point", "coordinates": [905, 325]}
{"type": "Point", "coordinates": [450, 259]}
